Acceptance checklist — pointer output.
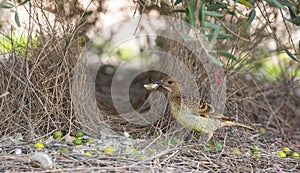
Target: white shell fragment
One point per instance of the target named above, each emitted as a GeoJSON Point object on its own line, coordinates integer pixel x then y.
{"type": "Point", "coordinates": [126, 134]}
{"type": "Point", "coordinates": [45, 160]}
{"type": "Point", "coordinates": [18, 151]}
{"type": "Point", "coordinates": [151, 86]}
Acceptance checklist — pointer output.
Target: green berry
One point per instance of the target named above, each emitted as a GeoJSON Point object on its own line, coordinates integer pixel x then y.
{"type": "Point", "coordinates": [79, 133]}
{"type": "Point", "coordinates": [285, 150]}
{"type": "Point", "coordinates": [57, 135]}
{"type": "Point", "coordinates": [77, 141]}
{"type": "Point", "coordinates": [109, 150]}
{"type": "Point", "coordinates": [254, 149]}
{"type": "Point", "coordinates": [39, 146]}
{"type": "Point", "coordinates": [295, 155]}
{"type": "Point", "coordinates": [87, 153]}
{"type": "Point", "coordinates": [281, 154]}
{"type": "Point", "coordinates": [89, 140]}
{"type": "Point", "coordinates": [63, 150]}
{"type": "Point", "coordinates": [236, 150]}
{"type": "Point", "coordinates": [255, 155]}
{"type": "Point", "coordinates": [59, 138]}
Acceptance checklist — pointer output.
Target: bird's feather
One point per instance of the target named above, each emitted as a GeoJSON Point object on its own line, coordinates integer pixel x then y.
{"type": "Point", "coordinates": [192, 112]}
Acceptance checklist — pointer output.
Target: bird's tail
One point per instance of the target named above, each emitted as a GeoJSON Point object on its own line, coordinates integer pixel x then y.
{"type": "Point", "coordinates": [231, 123]}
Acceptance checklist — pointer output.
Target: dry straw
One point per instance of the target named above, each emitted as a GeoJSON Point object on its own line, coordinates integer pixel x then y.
{"type": "Point", "coordinates": [35, 101]}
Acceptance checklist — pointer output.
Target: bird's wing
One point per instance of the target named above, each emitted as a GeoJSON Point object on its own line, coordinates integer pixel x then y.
{"type": "Point", "coordinates": [201, 108]}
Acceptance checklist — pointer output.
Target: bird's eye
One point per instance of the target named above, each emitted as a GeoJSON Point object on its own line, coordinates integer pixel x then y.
{"type": "Point", "coordinates": [170, 82]}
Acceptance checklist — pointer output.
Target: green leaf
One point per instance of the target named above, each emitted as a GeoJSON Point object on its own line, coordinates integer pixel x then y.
{"type": "Point", "coordinates": [288, 4]}
{"type": "Point", "coordinates": [186, 20]}
{"type": "Point", "coordinates": [290, 55]}
{"type": "Point", "coordinates": [220, 36]}
{"type": "Point", "coordinates": [296, 21]}
{"type": "Point", "coordinates": [24, 2]}
{"type": "Point", "coordinates": [245, 3]}
{"type": "Point", "coordinates": [177, 2]}
{"type": "Point", "coordinates": [192, 3]}
{"type": "Point", "coordinates": [224, 36]}
{"type": "Point", "coordinates": [17, 20]}
{"type": "Point", "coordinates": [2, 5]}
{"type": "Point", "coordinates": [292, 13]}
{"type": "Point", "coordinates": [218, 145]}
{"type": "Point", "coordinates": [212, 13]}
{"type": "Point", "coordinates": [201, 14]}
{"type": "Point", "coordinates": [153, 1]}
{"type": "Point", "coordinates": [251, 17]}
{"type": "Point", "coordinates": [214, 7]}
{"type": "Point", "coordinates": [211, 25]}
{"type": "Point", "coordinates": [215, 60]}
{"type": "Point", "coordinates": [215, 35]}
{"type": "Point", "coordinates": [226, 54]}
{"type": "Point", "coordinates": [276, 3]}
{"type": "Point", "coordinates": [299, 45]}
{"type": "Point", "coordinates": [191, 13]}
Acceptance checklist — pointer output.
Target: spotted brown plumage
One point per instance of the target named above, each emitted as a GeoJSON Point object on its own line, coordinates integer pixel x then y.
{"type": "Point", "coordinates": [191, 112]}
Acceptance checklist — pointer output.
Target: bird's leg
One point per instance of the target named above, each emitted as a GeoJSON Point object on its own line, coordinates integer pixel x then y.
{"type": "Point", "coordinates": [198, 133]}
{"type": "Point", "coordinates": [194, 135]}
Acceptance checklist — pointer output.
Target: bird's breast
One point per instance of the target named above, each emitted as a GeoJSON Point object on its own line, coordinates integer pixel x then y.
{"type": "Point", "coordinates": [187, 119]}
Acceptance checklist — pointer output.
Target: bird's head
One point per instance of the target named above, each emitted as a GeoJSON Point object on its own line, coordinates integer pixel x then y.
{"type": "Point", "coordinates": [168, 85]}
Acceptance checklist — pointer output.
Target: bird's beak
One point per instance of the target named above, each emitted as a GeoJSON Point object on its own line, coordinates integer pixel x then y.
{"type": "Point", "coordinates": [156, 85]}
{"type": "Point", "coordinates": [159, 83]}
{"type": "Point", "coordinates": [163, 85]}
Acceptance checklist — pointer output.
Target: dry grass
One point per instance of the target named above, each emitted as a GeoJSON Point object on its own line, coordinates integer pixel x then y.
{"type": "Point", "coordinates": [186, 158]}
{"type": "Point", "coordinates": [35, 101]}
{"type": "Point", "coordinates": [38, 78]}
